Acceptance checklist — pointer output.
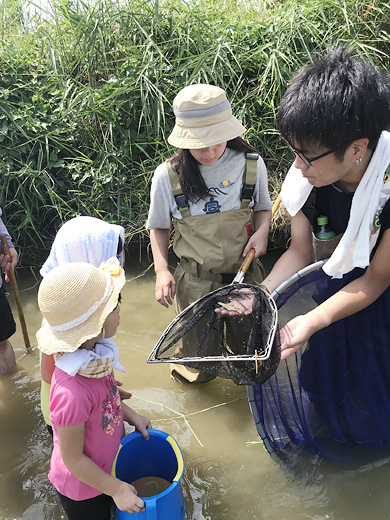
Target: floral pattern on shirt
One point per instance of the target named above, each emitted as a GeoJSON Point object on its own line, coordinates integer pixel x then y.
{"type": "Point", "coordinates": [111, 416]}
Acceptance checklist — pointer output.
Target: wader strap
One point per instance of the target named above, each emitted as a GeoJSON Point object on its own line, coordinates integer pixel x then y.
{"type": "Point", "coordinates": [180, 200]}
{"type": "Point", "coordinates": [249, 180]}
{"type": "Point", "coordinates": [194, 270]}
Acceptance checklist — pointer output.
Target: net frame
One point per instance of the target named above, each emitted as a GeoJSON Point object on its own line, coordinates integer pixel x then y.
{"type": "Point", "coordinates": [257, 357]}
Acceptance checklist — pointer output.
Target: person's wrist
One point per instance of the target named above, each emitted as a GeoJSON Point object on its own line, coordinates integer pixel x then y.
{"type": "Point", "coordinates": [161, 270]}
{"type": "Point", "coordinates": [318, 319]}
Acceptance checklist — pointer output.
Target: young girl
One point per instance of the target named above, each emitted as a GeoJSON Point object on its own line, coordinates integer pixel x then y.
{"type": "Point", "coordinates": [214, 188]}
{"type": "Point", "coordinates": [80, 239]}
{"type": "Point", "coordinates": [80, 305]}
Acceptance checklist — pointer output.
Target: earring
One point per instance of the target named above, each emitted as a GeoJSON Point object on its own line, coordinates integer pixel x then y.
{"type": "Point", "coordinates": [358, 161]}
{"type": "Point", "coordinates": [103, 332]}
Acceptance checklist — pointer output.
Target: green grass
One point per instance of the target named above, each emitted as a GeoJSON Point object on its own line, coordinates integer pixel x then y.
{"type": "Point", "coordinates": [86, 94]}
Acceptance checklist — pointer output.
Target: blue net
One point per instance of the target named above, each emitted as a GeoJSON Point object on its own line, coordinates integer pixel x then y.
{"type": "Point", "coordinates": [332, 397]}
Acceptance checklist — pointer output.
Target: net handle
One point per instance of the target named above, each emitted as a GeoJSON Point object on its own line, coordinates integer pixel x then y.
{"type": "Point", "coordinates": [244, 267]}
{"type": "Point", "coordinates": [247, 261]}
{"type": "Point", "coordinates": [251, 253]}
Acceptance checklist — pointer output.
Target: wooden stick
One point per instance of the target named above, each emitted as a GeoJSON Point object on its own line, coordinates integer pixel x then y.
{"type": "Point", "coordinates": [12, 277]}
{"type": "Point", "coordinates": [251, 253]}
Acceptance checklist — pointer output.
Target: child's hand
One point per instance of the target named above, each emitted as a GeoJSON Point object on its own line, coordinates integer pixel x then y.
{"type": "Point", "coordinates": [126, 499]}
{"type": "Point", "coordinates": [123, 394]}
{"type": "Point", "coordinates": [139, 421]}
{"type": "Point", "coordinates": [142, 423]}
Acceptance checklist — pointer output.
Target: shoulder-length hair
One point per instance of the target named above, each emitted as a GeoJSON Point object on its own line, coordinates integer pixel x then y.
{"type": "Point", "coordinates": [191, 181]}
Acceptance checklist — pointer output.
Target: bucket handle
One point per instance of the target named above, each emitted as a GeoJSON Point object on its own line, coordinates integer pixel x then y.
{"type": "Point", "coordinates": [179, 457]}
{"type": "Point", "coordinates": [151, 512]}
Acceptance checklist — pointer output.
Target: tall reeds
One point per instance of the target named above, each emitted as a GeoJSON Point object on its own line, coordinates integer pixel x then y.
{"type": "Point", "coordinates": [86, 89]}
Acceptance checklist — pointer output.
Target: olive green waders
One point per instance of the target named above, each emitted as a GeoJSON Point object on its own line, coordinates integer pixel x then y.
{"type": "Point", "coordinates": [210, 251]}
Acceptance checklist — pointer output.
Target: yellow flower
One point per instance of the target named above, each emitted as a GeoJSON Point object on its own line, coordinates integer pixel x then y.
{"type": "Point", "coordinates": [112, 265]}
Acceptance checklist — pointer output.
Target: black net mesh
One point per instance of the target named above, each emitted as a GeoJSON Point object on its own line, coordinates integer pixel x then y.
{"type": "Point", "coordinates": [244, 348]}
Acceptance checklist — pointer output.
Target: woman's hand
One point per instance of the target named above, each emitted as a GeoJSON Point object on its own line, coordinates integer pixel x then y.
{"type": "Point", "coordinates": [127, 499]}
{"type": "Point", "coordinates": [258, 241]}
{"type": "Point", "coordinates": [8, 262]}
{"type": "Point", "coordinates": [165, 289]}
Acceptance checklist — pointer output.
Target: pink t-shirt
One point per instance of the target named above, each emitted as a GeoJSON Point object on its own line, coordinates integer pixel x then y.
{"type": "Point", "coordinates": [95, 402]}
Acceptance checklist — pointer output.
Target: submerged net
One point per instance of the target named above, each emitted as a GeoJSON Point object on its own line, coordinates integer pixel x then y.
{"type": "Point", "coordinates": [332, 397]}
{"type": "Point", "coordinates": [243, 348]}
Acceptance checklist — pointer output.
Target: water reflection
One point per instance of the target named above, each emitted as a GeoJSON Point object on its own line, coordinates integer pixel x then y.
{"type": "Point", "coordinates": [228, 473]}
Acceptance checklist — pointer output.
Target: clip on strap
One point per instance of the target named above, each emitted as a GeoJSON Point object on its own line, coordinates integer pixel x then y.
{"type": "Point", "coordinates": [180, 199]}
{"type": "Point", "coordinates": [249, 179]}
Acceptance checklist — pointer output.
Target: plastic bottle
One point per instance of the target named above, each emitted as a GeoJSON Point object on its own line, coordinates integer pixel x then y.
{"type": "Point", "coordinates": [324, 232]}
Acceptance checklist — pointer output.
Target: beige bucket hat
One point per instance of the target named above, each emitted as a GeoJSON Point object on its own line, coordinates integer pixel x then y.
{"type": "Point", "coordinates": [203, 118]}
{"type": "Point", "coordinates": [75, 300]}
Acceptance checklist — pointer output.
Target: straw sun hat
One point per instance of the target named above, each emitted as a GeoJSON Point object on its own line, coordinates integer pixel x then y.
{"type": "Point", "coordinates": [203, 118]}
{"type": "Point", "coordinates": [75, 300]}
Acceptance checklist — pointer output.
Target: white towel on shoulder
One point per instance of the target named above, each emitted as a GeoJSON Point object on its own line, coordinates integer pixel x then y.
{"type": "Point", "coordinates": [84, 239]}
{"type": "Point", "coordinates": [72, 362]}
{"type": "Point", "coordinates": [370, 196]}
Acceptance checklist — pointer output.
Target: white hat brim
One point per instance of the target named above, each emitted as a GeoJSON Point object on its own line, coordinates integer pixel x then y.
{"type": "Point", "coordinates": [70, 340]}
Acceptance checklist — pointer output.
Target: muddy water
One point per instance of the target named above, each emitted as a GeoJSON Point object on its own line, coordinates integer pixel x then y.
{"type": "Point", "coordinates": [228, 476]}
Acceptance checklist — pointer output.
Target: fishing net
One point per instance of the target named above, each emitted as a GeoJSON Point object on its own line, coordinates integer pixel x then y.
{"type": "Point", "coordinates": [332, 397]}
{"type": "Point", "coordinates": [244, 347]}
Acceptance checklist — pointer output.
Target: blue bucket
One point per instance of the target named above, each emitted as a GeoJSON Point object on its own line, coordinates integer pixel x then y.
{"type": "Point", "coordinates": [161, 457]}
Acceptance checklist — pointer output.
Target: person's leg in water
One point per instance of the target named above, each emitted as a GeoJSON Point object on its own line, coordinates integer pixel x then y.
{"type": "Point", "coordinates": [7, 357]}
{"type": "Point", "coordinates": [7, 329]}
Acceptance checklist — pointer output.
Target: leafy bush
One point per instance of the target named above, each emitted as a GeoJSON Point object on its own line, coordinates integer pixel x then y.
{"type": "Point", "coordinates": [86, 92]}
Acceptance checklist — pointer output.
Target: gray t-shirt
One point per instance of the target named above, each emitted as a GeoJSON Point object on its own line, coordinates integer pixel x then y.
{"type": "Point", "coordinates": [224, 182]}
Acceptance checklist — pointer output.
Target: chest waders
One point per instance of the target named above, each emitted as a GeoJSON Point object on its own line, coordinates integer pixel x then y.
{"type": "Point", "coordinates": [210, 246]}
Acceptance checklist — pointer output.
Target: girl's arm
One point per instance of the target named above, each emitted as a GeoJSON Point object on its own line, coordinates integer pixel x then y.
{"type": "Point", "coordinates": [139, 421]}
{"type": "Point", "coordinates": [47, 367]}
{"type": "Point", "coordinates": [165, 289]}
{"type": "Point", "coordinates": [350, 299]}
{"type": "Point", "coordinates": [259, 240]}
{"type": "Point", "coordinates": [71, 442]}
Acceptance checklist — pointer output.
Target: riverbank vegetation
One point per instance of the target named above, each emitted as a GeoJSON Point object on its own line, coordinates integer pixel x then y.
{"type": "Point", "coordinates": [86, 89]}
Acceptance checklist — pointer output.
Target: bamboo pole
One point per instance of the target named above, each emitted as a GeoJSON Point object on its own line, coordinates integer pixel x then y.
{"type": "Point", "coordinates": [14, 284]}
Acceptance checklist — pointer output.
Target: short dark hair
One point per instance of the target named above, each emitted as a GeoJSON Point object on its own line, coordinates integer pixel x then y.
{"type": "Point", "coordinates": [191, 181]}
{"type": "Point", "coordinates": [334, 101]}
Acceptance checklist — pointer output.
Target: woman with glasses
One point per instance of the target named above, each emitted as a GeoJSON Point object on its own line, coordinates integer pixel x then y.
{"type": "Point", "coordinates": [334, 389]}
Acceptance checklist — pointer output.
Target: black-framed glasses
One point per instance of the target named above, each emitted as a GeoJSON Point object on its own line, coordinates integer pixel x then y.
{"type": "Point", "coordinates": [302, 156]}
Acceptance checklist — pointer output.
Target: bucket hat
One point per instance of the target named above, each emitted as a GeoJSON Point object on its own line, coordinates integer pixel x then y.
{"type": "Point", "coordinates": [203, 118]}
{"type": "Point", "coordinates": [75, 300]}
